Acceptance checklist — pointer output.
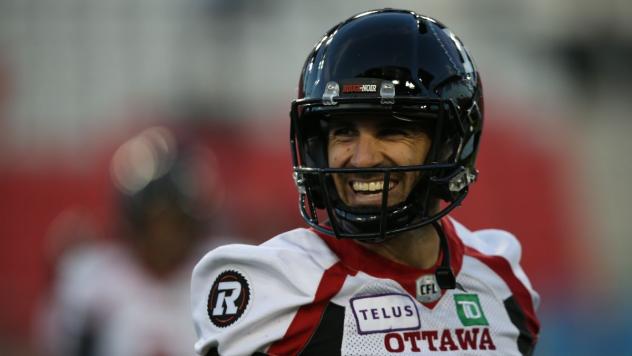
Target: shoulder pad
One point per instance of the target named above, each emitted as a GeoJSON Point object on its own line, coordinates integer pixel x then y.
{"type": "Point", "coordinates": [494, 242]}
{"type": "Point", "coordinates": [244, 297]}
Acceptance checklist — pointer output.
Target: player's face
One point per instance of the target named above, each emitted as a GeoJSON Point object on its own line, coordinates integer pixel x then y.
{"type": "Point", "coordinates": [367, 143]}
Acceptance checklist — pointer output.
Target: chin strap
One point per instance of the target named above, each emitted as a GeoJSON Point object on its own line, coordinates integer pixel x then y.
{"type": "Point", "coordinates": [445, 276]}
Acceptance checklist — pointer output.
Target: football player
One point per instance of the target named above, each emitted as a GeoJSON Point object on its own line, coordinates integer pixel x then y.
{"type": "Point", "coordinates": [129, 295]}
{"type": "Point", "coordinates": [384, 137]}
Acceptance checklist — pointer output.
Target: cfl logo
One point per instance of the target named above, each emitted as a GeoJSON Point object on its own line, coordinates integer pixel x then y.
{"type": "Point", "coordinates": [428, 290]}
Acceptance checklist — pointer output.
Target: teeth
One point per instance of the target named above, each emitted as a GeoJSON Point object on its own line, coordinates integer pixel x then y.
{"type": "Point", "coordinates": [370, 186]}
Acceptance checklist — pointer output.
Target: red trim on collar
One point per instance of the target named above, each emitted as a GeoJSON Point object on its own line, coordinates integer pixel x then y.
{"type": "Point", "coordinates": [357, 258]}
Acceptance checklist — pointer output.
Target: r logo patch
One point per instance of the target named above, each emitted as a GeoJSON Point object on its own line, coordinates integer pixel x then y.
{"type": "Point", "coordinates": [228, 299]}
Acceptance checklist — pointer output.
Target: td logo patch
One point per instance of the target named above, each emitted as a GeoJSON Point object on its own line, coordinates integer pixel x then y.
{"type": "Point", "coordinates": [468, 307]}
{"type": "Point", "coordinates": [228, 298]}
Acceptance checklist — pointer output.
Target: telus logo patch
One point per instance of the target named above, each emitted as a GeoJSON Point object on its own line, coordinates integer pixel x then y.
{"type": "Point", "coordinates": [385, 313]}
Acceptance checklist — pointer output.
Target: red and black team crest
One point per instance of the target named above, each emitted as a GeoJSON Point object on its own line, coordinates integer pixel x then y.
{"type": "Point", "coordinates": [228, 298]}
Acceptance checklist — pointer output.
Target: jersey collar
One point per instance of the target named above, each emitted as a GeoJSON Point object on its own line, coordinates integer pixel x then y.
{"type": "Point", "coordinates": [358, 258]}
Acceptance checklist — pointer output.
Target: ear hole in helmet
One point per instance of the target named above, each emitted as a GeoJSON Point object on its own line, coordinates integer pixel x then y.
{"type": "Point", "coordinates": [313, 140]}
{"type": "Point", "coordinates": [468, 148]}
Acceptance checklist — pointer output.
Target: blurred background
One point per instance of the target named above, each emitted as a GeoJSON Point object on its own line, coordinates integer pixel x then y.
{"type": "Point", "coordinates": [107, 105]}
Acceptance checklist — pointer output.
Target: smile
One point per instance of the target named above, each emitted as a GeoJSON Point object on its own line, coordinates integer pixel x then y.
{"type": "Point", "coordinates": [370, 187]}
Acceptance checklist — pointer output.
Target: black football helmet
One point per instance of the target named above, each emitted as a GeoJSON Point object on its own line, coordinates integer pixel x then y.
{"type": "Point", "coordinates": [393, 65]}
{"type": "Point", "coordinates": [155, 173]}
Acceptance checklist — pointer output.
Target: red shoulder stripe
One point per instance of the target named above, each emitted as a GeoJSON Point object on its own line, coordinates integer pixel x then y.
{"type": "Point", "coordinates": [308, 316]}
{"type": "Point", "coordinates": [502, 267]}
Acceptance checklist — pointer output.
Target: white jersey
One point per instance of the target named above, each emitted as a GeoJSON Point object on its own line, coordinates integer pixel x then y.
{"type": "Point", "coordinates": [307, 293]}
{"type": "Point", "coordinates": [104, 303]}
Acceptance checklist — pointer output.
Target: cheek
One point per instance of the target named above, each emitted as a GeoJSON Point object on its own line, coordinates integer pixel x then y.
{"type": "Point", "coordinates": [336, 155]}
{"type": "Point", "coordinates": [411, 155]}
{"type": "Point", "coordinates": [421, 151]}
{"type": "Point", "coordinates": [330, 155]}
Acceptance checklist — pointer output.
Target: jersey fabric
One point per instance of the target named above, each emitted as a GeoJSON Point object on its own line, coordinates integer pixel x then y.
{"type": "Point", "coordinates": [105, 303]}
{"type": "Point", "coordinates": [312, 294]}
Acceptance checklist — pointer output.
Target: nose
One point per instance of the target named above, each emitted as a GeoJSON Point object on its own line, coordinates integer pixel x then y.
{"type": "Point", "coordinates": [366, 151]}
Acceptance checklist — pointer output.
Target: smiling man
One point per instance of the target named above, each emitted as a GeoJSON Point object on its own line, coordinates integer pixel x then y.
{"type": "Point", "coordinates": [384, 136]}
{"type": "Point", "coordinates": [365, 143]}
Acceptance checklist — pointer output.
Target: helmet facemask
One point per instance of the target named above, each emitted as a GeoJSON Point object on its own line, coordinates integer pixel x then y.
{"type": "Point", "coordinates": [430, 197]}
